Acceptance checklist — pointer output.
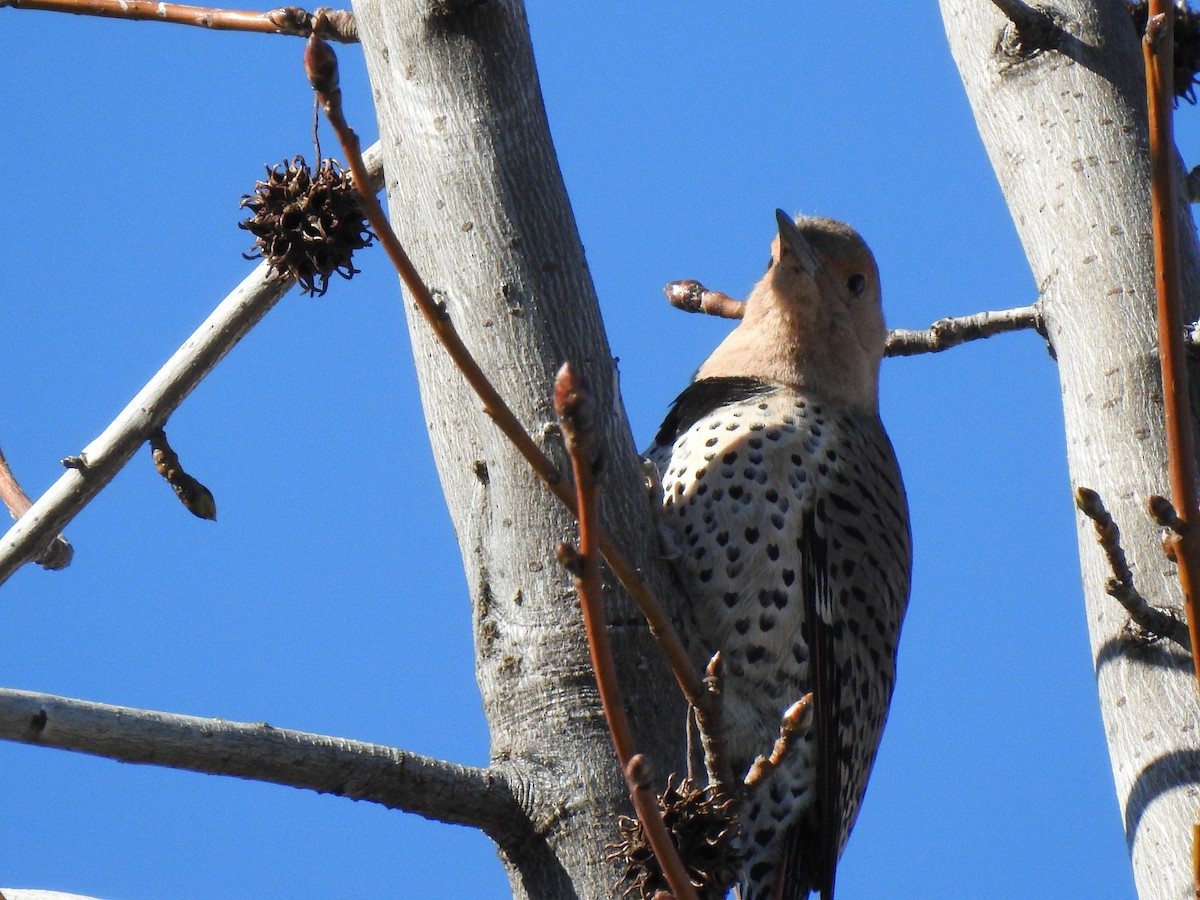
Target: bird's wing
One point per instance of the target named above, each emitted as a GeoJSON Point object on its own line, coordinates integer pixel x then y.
{"type": "Point", "coordinates": [818, 836]}
{"type": "Point", "coordinates": [703, 397]}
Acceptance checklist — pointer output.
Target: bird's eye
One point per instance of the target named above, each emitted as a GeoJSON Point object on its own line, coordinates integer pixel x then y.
{"type": "Point", "coordinates": [857, 283]}
{"type": "Point", "coordinates": [770, 262]}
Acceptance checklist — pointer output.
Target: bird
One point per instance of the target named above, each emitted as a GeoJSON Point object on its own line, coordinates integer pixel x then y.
{"type": "Point", "coordinates": [784, 506]}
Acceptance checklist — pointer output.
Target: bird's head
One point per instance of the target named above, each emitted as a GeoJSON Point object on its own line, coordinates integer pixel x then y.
{"type": "Point", "coordinates": [815, 320]}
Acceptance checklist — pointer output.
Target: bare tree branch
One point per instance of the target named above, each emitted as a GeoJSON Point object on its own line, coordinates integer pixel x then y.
{"type": "Point", "coordinates": [335, 24]}
{"type": "Point", "coordinates": [1120, 587]}
{"type": "Point", "coordinates": [54, 555]}
{"type": "Point", "coordinates": [952, 331]}
{"type": "Point", "coordinates": [99, 461]}
{"type": "Point", "coordinates": [433, 788]}
{"type": "Point", "coordinates": [691, 296]}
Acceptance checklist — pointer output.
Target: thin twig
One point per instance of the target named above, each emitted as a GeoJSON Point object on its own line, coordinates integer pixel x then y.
{"type": "Point", "coordinates": [1158, 51]}
{"type": "Point", "coordinates": [58, 552]}
{"type": "Point", "coordinates": [573, 407]}
{"type": "Point", "coordinates": [322, 71]}
{"type": "Point", "coordinates": [394, 778]}
{"type": "Point", "coordinates": [637, 776]}
{"type": "Point", "coordinates": [710, 722]}
{"type": "Point", "coordinates": [1196, 858]}
{"type": "Point", "coordinates": [1120, 586]}
{"type": "Point", "coordinates": [795, 721]}
{"type": "Point", "coordinates": [692, 296]}
{"type": "Point", "coordinates": [952, 331]}
{"type": "Point", "coordinates": [335, 24]}
{"type": "Point", "coordinates": [154, 403]}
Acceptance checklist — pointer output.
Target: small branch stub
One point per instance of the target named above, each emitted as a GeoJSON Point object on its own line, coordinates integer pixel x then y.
{"type": "Point", "coordinates": [1120, 587]}
{"type": "Point", "coordinates": [57, 553]}
{"type": "Point", "coordinates": [1035, 29]}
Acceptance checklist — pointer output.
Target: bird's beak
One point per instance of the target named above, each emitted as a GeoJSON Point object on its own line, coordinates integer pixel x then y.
{"type": "Point", "coordinates": [791, 238]}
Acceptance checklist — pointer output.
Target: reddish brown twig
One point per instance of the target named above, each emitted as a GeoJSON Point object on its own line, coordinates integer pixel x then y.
{"type": "Point", "coordinates": [1158, 51]}
{"type": "Point", "coordinates": [321, 65]}
{"type": "Point", "coordinates": [336, 25]}
{"type": "Point", "coordinates": [692, 296]}
{"type": "Point", "coordinates": [58, 552]}
{"type": "Point", "coordinates": [573, 406]}
{"type": "Point", "coordinates": [637, 776]}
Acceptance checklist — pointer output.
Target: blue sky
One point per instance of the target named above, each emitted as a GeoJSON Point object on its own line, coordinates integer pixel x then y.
{"type": "Point", "coordinates": [329, 597]}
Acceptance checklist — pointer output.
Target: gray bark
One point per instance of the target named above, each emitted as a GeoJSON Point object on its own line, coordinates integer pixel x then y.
{"type": "Point", "coordinates": [1065, 130]}
{"type": "Point", "coordinates": [477, 198]}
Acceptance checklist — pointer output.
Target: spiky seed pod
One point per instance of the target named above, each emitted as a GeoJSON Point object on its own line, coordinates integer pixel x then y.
{"type": "Point", "coordinates": [304, 225]}
{"type": "Point", "coordinates": [705, 831]}
{"type": "Point", "coordinates": [1187, 44]}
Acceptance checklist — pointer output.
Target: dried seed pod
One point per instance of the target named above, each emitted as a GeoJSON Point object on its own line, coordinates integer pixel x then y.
{"type": "Point", "coordinates": [704, 828]}
{"type": "Point", "coordinates": [304, 225]}
{"type": "Point", "coordinates": [192, 494]}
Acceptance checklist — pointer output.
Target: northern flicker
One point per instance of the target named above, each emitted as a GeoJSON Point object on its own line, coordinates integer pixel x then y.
{"type": "Point", "coordinates": [784, 502]}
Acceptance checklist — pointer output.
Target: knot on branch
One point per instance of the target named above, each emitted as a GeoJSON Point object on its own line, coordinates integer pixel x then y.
{"type": "Point", "coordinates": [1034, 29]}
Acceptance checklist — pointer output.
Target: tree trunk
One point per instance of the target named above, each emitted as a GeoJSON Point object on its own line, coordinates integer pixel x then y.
{"type": "Point", "coordinates": [1066, 133]}
{"type": "Point", "coordinates": [476, 196]}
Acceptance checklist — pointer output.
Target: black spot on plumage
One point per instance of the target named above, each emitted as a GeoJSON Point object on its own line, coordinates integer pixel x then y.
{"type": "Point", "coordinates": [772, 552]}
{"type": "Point", "coordinates": [751, 535]}
{"type": "Point", "coordinates": [741, 626]}
{"type": "Point", "coordinates": [730, 598]}
{"type": "Point", "coordinates": [766, 622]}
{"type": "Point", "coordinates": [755, 653]}
{"type": "Point", "coordinates": [789, 577]}
{"type": "Point", "coordinates": [735, 491]}
{"type": "Point", "coordinates": [729, 458]}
